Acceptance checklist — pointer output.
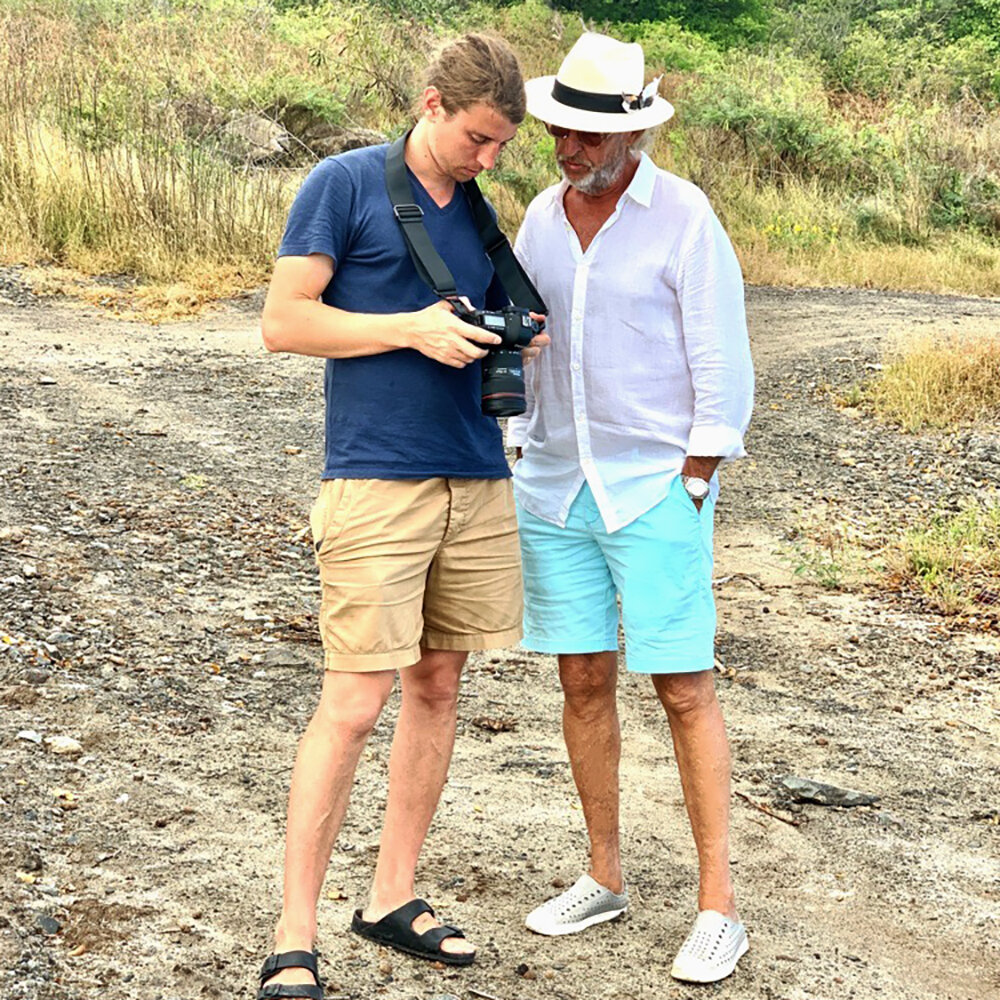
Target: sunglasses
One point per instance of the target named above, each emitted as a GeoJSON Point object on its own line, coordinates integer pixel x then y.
{"type": "Point", "coordinates": [589, 139]}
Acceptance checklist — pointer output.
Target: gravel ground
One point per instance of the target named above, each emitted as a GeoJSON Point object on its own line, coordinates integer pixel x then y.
{"type": "Point", "coordinates": [158, 660]}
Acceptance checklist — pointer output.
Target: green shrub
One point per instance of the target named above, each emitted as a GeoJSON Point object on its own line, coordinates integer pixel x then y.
{"type": "Point", "coordinates": [668, 46]}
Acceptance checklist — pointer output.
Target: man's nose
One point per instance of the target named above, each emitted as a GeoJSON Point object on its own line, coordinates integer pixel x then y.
{"type": "Point", "coordinates": [569, 142]}
{"type": "Point", "coordinates": [487, 157]}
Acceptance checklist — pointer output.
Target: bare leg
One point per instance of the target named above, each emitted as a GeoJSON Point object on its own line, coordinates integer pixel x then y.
{"type": "Point", "coordinates": [349, 706]}
{"type": "Point", "coordinates": [702, 751]}
{"type": "Point", "coordinates": [593, 740]}
{"type": "Point", "coordinates": [418, 768]}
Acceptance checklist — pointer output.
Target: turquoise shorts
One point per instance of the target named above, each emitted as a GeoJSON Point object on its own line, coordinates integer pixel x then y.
{"type": "Point", "coordinates": [660, 565]}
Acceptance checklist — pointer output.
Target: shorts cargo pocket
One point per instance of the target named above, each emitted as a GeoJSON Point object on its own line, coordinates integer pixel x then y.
{"type": "Point", "coordinates": [329, 513]}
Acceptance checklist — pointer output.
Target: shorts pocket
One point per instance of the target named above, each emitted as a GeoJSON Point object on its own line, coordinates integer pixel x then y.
{"type": "Point", "coordinates": [329, 513]}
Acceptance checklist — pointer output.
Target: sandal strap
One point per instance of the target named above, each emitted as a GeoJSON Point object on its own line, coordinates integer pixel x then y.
{"type": "Point", "coordinates": [279, 991]}
{"type": "Point", "coordinates": [435, 935]}
{"type": "Point", "coordinates": [404, 916]}
{"type": "Point", "coordinates": [273, 964]}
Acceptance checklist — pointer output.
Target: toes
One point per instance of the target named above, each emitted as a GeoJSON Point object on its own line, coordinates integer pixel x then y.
{"type": "Point", "coordinates": [457, 946]}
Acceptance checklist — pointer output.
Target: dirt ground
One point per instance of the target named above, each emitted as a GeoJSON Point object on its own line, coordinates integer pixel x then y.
{"type": "Point", "coordinates": [157, 605]}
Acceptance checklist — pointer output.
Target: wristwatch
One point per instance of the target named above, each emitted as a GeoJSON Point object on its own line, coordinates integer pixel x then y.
{"type": "Point", "coordinates": [697, 489]}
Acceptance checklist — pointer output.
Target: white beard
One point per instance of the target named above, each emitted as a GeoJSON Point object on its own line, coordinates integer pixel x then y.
{"type": "Point", "coordinates": [604, 177]}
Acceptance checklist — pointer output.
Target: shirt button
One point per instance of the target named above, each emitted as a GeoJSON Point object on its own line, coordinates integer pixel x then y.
{"type": "Point", "coordinates": [576, 367]}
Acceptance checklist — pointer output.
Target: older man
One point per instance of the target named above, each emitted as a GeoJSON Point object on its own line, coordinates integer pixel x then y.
{"type": "Point", "coordinates": [646, 388]}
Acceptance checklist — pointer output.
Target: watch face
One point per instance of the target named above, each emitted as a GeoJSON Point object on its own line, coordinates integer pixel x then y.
{"type": "Point", "coordinates": [697, 489]}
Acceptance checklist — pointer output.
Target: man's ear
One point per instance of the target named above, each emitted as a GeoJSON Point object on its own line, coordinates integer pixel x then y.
{"type": "Point", "coordinates": [431, 104]}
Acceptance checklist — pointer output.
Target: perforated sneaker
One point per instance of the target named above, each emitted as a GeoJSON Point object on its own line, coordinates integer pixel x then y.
{"type": "Point", "coordinates": [711, 950]}
{"type": "Point", "coordinates": [583, 904]}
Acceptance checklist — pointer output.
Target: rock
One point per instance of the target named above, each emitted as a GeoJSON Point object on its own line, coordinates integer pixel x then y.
{"type": "Point", "coordinates": [30, 735]}
{"type": "Point", "coordinates": [49, 924]}
{"type": "Point", "coordinates": [64, 745]}
{"type": "Point", "coordinates": [278, 656]}
{"type": "Point", "coordinates": [807, 790]}
{"type": "Point", "coordinates": [252, 138]}
{"type": "Point", "coordinates": [31, 861]}
{"type": "Point", "coordinates": [329, 140]}
{"type": "Point", "coordinates": [36, 676]}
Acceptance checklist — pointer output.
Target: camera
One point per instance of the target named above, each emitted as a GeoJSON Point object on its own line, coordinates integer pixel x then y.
{"type": "Point", "coordinates": [503, 370]}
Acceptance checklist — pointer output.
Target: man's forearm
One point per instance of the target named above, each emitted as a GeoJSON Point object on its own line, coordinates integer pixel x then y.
{"type": "Point", "coordinates": [699, 466]}
{"type": "Point", "coordinates": [312, 328]}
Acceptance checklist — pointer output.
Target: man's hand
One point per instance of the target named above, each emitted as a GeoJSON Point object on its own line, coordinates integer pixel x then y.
{"type": "Point", "coordinates": [441, 336]}
{"type": "Point", "coordinates": [539, 341]}
{"type": "Point", "coordinates": [700, 467]}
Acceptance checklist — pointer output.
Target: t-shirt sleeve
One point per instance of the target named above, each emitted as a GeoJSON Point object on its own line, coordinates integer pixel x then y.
{"type": "Point", "coordinates": [320, 217]}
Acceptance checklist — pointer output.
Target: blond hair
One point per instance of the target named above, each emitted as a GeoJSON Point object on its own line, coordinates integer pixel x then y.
{"type": "Point", "coordinates": [479, 69]}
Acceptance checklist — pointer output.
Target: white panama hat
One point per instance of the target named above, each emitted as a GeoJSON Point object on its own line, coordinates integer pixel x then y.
{"type": "Point", "coordinates": [599, 88]}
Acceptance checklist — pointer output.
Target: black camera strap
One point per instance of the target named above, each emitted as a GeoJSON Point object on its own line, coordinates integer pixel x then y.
{"type": "Point", "coordinates": [431, 268]}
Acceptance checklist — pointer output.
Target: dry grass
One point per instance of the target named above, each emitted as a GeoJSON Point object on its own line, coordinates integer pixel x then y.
{"type": "Point", "coordinates": [100, 173]}
{"type": "Point", "coordinates": [941, 382]}
{"type": "Point", "coordinates": [954, 561]}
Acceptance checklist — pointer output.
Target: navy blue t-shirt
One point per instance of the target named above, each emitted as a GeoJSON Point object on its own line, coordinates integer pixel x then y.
{"type": "Point", "coordinates": [397, 415]}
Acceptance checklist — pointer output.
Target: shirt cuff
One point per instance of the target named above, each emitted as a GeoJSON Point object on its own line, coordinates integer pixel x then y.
{"type": "Point", "coordinates": [517, 432]}
{"type": "Point", "coordinates": [716, 442]}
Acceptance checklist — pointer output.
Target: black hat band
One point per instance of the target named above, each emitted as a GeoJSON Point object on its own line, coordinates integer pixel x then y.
{"type": "Point", "coordinates": [609, 104]}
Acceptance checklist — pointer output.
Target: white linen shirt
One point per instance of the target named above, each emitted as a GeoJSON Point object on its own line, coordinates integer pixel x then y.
{"type": "Point", "coordinates": [649, 360]}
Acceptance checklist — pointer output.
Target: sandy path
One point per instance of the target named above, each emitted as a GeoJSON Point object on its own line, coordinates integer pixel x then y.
{"type": "Point", "coordinates": [156, 595]}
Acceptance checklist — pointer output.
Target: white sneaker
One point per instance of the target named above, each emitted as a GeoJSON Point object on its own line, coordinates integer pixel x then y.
{"type": "Point", "coordinates": [711, 950]}
{"type": "Point", "coordinates": [583, 904]}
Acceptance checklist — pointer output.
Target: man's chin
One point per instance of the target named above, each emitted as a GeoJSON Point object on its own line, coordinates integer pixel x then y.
{"type": "Point", "coordinates": [577, 179]}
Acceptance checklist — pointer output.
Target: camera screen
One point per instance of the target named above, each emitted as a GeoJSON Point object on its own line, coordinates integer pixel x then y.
{"type": "Point", "coordinates": [494, 322]}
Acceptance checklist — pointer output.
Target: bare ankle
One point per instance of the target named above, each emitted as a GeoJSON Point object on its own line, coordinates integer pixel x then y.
{"type": "Point", "coordinates": [610, 878]}
{"type": "Point", "coordinates": [294, 936]}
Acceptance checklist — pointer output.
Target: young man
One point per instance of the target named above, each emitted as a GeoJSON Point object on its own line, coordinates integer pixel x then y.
{"type": "Point", "coordinates": [646, 388]}
{"type": "Point", "coordinates": [414, 527]}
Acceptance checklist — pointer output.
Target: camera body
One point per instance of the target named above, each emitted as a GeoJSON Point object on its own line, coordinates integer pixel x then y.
{"type": "Point", "coordinates": [503, 369]}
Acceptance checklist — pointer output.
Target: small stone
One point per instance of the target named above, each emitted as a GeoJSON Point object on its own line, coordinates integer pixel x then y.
{"type": "Point", "coordinates": [29, 570]}
{"type": "Point", "coordinates": [49, 924]}
{"type": "Point", "coordinates": [64, 745]}
{"type": "Point", "coordinates": [807, 790]}
{"type": "Point", "coordinates": [30, 735]}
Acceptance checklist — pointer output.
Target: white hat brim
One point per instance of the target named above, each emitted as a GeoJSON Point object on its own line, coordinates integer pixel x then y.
{"type": "Point", "coordinates": [545, 107]}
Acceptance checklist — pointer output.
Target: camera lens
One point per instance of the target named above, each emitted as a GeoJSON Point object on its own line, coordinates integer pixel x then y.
{"type": "Point", "coordinates": [503, 384]}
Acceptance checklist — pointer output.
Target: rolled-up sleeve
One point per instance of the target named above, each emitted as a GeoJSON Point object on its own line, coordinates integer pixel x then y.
{"type": "Point", "coordinates": [710, 295]}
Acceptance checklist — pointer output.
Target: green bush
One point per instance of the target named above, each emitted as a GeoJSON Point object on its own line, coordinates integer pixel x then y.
{"type": "Point", "coordinates": [728, 22]}
{"type": "Point", "coordinates": [668, 46]}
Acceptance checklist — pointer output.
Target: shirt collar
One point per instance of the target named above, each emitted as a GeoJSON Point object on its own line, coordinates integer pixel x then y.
{"type": "Point", "coordinates": [641, 188]}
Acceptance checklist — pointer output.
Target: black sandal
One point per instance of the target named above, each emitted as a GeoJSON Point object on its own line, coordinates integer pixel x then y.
{"type": "Point", "coordinates": [273, 964]}
{"type": "Point", "coordinates": [395, 930]}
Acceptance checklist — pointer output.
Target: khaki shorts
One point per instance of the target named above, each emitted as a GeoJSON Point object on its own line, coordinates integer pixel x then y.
{"type": "Point", "coordinates": [405, 563]}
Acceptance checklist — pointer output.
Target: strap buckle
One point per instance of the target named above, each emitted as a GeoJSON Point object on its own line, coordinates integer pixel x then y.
{"type": "Point", "coordinates": [408, 213]}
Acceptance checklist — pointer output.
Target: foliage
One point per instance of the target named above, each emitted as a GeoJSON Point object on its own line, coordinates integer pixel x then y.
{"type": "Point", "coordinates": [726, 21]}
{"type": "Point", "coordinates": [940, 382]}
{"type": "Point", "coordinates": [863, 149]}
{"type": "Point", "coordinates": [954, 559]}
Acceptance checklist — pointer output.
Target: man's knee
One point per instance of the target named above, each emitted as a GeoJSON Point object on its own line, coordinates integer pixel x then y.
{"type": "Point", "coordinates": [435, 680]}
{"type": "Point", "coordinates": [588, 678]}
{"type": "Point", "coordinates": [686, 695]}
{"type": "Point", "coordinates": [351, 703]}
